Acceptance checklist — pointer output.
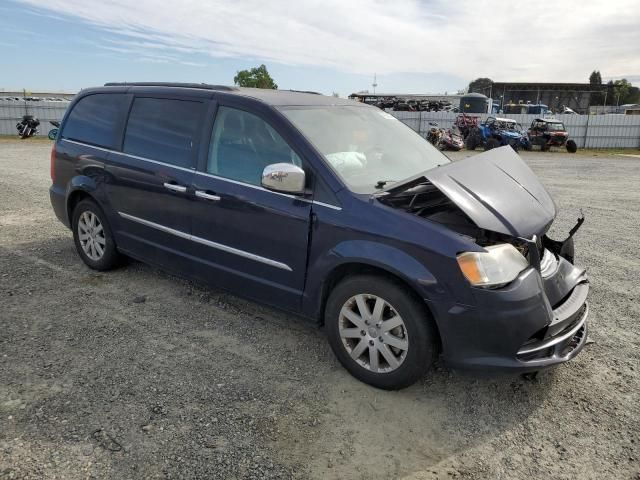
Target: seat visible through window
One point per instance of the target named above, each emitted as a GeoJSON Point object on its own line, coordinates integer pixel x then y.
{"type": "Point", "coordinates": [243, 145]}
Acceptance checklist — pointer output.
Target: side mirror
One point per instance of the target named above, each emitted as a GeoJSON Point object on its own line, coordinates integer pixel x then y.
{"type": "Point", "coordinates": [284, 178]}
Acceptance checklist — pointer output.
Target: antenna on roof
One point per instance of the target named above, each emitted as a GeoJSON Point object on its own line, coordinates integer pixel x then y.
{"type": "Point", "coordinates": [374, 84]}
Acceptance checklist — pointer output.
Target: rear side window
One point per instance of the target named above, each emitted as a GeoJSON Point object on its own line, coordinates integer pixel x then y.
{"type": "Point", "coordinates": [163, 129]}
{"type": "Point", "coordinates": [97, 119]}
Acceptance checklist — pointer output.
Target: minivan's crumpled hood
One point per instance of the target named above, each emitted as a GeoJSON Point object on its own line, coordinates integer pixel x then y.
{"type": "Point", "coordinates": [498, 192]}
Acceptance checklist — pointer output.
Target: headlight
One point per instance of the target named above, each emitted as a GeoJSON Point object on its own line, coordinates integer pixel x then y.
{"type": "Point", "coordinates": [499, 265]}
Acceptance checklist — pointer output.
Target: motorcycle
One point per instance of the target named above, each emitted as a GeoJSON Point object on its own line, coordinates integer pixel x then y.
{"type": "Point", "coordinates": [28, 126]}
{"type": "Point", "coordinates": [444, 139]}
{"type": "Point", "coordinates": [53, 133]}
{"type": "Point", "coordinates": [434, 133]}
{"type": "Point", "coordinates": [450, 140]}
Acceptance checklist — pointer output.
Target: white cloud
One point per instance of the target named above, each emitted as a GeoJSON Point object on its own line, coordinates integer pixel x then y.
{"type": "Point", "coordinates": [506, 40]}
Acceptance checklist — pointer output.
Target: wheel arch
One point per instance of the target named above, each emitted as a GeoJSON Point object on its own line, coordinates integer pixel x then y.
{"type": "Point", "coordinates": [75, 197]}
{"type": "Point", "coordinates": [353, 268]}
{"type": "Point", "coordinates": [79, 188]}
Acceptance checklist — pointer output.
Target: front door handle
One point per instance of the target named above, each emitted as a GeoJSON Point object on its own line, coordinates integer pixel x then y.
{"type": "Point", "coordinates": [175, 188]}
{"type": "Point", "coordinates": [207, 196]}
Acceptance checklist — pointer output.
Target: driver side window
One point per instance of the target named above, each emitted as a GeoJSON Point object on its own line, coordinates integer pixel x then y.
{"type": "Point", "coordinates": [242, 145]}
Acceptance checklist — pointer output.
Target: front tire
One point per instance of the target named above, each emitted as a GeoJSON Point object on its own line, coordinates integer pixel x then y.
{"type": "Point", "coordinates": [544, 145]}
{"type": "Point", "coordinates": [571, 146]}
{"type": "Point", "coordinates": [382, 335]}
{"type": "Point", "coordinates": [92, 236]}
{"type": "Point", "coordinates": [491, 144]}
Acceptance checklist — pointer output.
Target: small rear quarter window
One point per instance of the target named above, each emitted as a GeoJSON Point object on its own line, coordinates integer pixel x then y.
{"type": "Point", "coordinates": [97, 119]}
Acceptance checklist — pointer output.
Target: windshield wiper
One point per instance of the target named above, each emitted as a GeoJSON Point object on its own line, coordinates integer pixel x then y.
{"type": "Point", "coordinates": [382, 183]}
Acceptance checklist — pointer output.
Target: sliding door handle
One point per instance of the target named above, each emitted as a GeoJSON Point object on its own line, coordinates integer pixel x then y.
{"type": "Point", "coordinates": [207, 196]}
{"type": "Point", "coordinates": [175, 188]}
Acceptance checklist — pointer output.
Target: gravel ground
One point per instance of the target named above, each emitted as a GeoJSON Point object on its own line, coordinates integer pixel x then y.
{"type": "Point", "coordinates": [137, 374]}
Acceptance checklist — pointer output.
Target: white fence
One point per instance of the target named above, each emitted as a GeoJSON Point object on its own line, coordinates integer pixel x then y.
{"type": "Point", "coordinates": [588, 131]}
{"type": "Point", "coordinates": [12, 112]}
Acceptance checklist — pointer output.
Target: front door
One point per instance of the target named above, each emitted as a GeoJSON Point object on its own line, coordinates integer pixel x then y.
{"type": "Point", "coordinates": [150, 179]}
{"type": "Point", "coordinates": [249, 239]}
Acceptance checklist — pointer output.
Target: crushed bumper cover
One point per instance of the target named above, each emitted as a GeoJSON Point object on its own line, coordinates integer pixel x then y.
{"type": "Point", "coordinates": [529, 325]}
{"type": "Point", "coordinates": [564, 337]}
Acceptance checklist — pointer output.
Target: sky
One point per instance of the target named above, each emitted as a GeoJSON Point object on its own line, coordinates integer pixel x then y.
{"type": "Point", "coordinates": [413, 46]}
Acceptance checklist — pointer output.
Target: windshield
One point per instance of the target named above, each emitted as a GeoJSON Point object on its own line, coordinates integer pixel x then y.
{"type": "Point", "coordinates": [368, 148]}
{"type": "Point", "coordinates": [555, 127]}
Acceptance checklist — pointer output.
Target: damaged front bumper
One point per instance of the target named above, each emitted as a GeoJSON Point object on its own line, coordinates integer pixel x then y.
{"type": "Point", "coordinates": [537, 321]}
{"type": "Point", "coordinates": [564, 337]}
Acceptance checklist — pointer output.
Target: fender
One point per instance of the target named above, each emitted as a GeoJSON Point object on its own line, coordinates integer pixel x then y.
{"type": "Point", "coordinates": [88, 182]}
{"type": "Point", "coordinates": [374, 254]}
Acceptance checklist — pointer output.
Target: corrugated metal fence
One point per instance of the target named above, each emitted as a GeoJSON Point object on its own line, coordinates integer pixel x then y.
{"type": "Point", "coordinates": [12, 112]}
{"type": "Point", "coordinates": [588, 131]}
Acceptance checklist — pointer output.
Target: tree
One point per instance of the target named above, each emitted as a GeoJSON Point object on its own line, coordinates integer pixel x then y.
{"type": "Point", "coordinates": [634, 95]}
{"type": "Point", "coordinates": [620, 91]}
{"type": "Point", "coordinates": [624, 92]}
{"type": "Point", "coordinates": [257, 77]}
{"type": "Point", "coordinates": [595, 80]}
{"type": "Point", "coordinates": [481, 85]}
{"type": "Point", "coordinates": [609, 96]}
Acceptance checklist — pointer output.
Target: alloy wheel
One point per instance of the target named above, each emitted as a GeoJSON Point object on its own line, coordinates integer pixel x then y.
{"type": "Point", "coordinates": [373, 333]}
{"type": "Point", "coordinates": [91, 235]}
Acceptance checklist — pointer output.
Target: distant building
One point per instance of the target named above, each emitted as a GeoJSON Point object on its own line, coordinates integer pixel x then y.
{"type": "Point", "coordinates": [576, 96]}
{"type": "Point", "coordinates": [42, 95]}
{"type": "Point", "coordinates": [631, 109]}
{"type": "Point", "coordinates": [372, 98]}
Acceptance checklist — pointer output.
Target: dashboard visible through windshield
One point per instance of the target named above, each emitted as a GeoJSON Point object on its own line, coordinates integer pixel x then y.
{"type": "Point", "coordinates": [366, 147]}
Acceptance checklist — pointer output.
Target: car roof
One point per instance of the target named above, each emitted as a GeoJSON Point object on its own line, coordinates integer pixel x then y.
{"type": "Point", "coordinates": [268, 96]}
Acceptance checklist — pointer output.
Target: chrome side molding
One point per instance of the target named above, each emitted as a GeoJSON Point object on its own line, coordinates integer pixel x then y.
{"type": "Point", "coordinates": [208, 243]}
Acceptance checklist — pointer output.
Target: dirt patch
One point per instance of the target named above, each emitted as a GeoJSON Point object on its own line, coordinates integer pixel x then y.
{"type": "Point", "coordinates": [196, 383]}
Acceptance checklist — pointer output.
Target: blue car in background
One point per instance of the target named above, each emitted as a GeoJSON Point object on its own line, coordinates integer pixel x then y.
{"type": "Point", "coordinates": [497, 132]}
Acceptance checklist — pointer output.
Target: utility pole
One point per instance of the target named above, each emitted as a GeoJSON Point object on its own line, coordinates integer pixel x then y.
{"type": "Point", "coordinates": [374, 84]}
{"type": "Point", "coordinates": [24, 100]}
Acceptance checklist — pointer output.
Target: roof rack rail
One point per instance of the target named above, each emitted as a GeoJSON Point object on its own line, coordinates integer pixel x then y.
{"type": "Point", "coordinates": [304, 91]}
{"type": "Point", "coordinates": [204, 86]}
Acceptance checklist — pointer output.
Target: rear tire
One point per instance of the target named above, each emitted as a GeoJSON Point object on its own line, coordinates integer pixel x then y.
{"type": "Point", "coordinates": [399, 328]}
{"type": "Point", "coordinates": [471, 142]}
{"type": "Point", "coordinates": [571, 146]}
{"type": "Point", "coordinates": [92, 236]}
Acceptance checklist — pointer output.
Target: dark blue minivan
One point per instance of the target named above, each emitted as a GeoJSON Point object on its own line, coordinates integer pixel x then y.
{"type": "Point", "coordinates": [329, 208]}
